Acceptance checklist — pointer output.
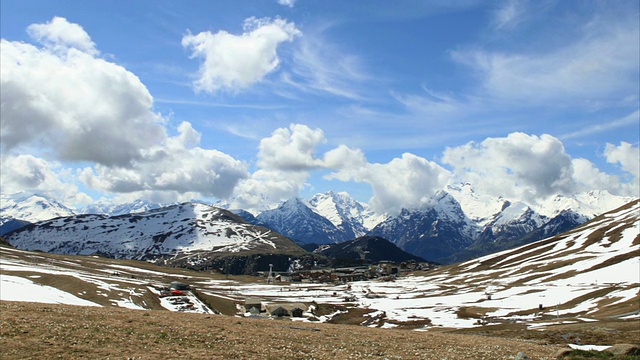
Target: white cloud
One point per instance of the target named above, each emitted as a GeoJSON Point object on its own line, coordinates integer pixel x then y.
{"type": "Point", "coordinates": [291, 149]}
{"type": "Point", "coordinates": [178, 165]}
{"type": "Point", "coordinates": [27, 173]}
{"type": "Point", "coordinates": [289, 3]}
{"type": "Point", "coordinates": [286, 159]}
{"type": "Point", "coordinates": [345, 159]}
{"type": "Point", "coordinates": [405, 182]}
{"type": "Point", "coordinates": [82, 107]}
{"type": "Point", "coordinates": [63, 101]}
{"type": "Point", "coordinates": [529, 168]}
{"type": "Point", "coordinates": [588, 177]}
{"type": "Point", "coordinates": [510, 14]}
{"type": "Point", "coordinates": [631, 119]}
{"type": "Point", "coordinates": [288, 156]}
{"type": "Point", "coordinates": [321, 67]}
{"type": "Point", "coordinates": [627, 155]}
{"type": "Point", "coordinates": [266, 187]}
{"type": "Point", "coordinates": [60, 35]}
{"type": "Point", "coordinates": [235, 62]}
{"type": "Point", "coordinates": [519, 166]}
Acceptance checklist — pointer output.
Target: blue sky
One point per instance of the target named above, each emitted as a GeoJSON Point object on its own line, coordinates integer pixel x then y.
{"type": "Point", "coordinates": [254, 102]}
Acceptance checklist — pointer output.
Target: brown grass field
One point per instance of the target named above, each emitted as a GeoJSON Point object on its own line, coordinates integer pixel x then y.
{"type": "Point", "coordinates": [45, 331]}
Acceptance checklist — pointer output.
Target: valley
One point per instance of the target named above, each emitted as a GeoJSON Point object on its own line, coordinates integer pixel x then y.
{"type": "Point", "coordinates": [586, 278]}
{"type": "Point", "coordinates": [583, 279]}
{"type": "Point", "coordinates": [455, 225]}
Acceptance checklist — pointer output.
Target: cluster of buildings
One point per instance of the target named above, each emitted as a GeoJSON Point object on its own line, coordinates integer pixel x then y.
{"type": "Point", "coordinates": [260, 307]}
{"type": "Point", "coordinates": [384, 269]}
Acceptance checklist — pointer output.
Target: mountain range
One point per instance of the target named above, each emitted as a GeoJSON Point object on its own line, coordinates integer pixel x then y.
{"type": "Point", "coordinates": [579, 277]}
{"type": "Point", "coordinates": [455, 225]}
{"type": "Point", "coordinates": [189, 235]}
{"type": "Point", "coordinates": [365, 250]}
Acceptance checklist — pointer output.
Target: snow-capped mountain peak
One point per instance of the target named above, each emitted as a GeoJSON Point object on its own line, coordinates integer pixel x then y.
{"type": "Point", "coordinates": [479, 208]}
{"type": "Point", "coordinates": [344, 211]}
{"type": "Point", "coordinates": [31, 208]}
{"type": "Point", "coordinates": [590, 203]}
{"type": "Point", "coordinates": [108, 208]}
{"type": "Point", "coordinates": [185, 229]}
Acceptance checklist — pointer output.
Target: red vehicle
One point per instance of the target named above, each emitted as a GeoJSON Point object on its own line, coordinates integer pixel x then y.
{"type": "Point", "coordinates": [177, 292]}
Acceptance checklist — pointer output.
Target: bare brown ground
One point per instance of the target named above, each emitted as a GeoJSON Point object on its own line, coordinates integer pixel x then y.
{"type": "Point", "coordinates": [45, 331]}
{"type": "Point", "coordinates": [605, 332]}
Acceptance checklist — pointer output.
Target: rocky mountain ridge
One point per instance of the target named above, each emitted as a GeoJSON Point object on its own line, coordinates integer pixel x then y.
{"type": "Point", "coordinates": [457, 224]}
{"type": "Point", "coordinates": [189, 234]}
{"type": "Point", "coordinates": [31, 208]}
{"type": "Point", "coordinates": [580, 277]}
{"type": "Point", "coordinates": [365, 250]}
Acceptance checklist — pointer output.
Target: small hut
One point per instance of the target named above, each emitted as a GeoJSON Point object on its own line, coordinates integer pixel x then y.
{"type": "Point", "coordinates": [176, 285]}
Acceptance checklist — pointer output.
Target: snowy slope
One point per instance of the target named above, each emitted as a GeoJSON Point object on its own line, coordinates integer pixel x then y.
{"type": "Point", "coordinates": [296, 219]}
{"type": "Point", "coordinates": [345, 212]}
{"type": "Point", "coordinates": [108, 208]}
{"type": "Point", "coordinates": [172, 230]}
{"type": "Point", "coordinates": [590, 204]}
{"type": "Point", "coordinates": [478, 207]}
{"type": "Point", "coordinates": [433, 232]}
{"type": "Point", "coordinates": [31, 208]}
{"type": "Point", "coordinates": [587, 274]}
{"type": "Point", "coordinates": [32, 277]}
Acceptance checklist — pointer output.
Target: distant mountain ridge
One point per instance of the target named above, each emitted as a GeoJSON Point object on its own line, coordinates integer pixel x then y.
{"type": "Point", "coordinates": [296, 220]}
{"type": "Point", "coordinates": [189, 234]}
{"type": "Point", "coordinates": [365, 250]}
{"type": "Point", "coordinates": [432, 232]}
{"type": "Point", "coordinates": [444, 232]}
{"type": "Point", "coordinates": [31, 208]}
{"type": "Point", "coordinates": [20, 209]}
{"type": "Point", "coordinates": [455, 225]}
{"type": "Point", "coordinates": [325, 219]}
{"type": "Point", "coordinates": [107, 208]}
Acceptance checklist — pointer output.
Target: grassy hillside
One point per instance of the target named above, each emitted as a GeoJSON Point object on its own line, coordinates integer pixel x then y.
{"type": "Point", "coordinates": [31, 330]}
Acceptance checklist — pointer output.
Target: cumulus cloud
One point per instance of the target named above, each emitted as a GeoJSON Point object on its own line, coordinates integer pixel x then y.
{"type": "Point", "coordinates": [178, 166]}
{"type": "Point", "coordinates": [530, 168]}
{"type": "Point", "coordinates": [235, 62]}
{"type": "Point", "coordinates": [405, 182]}
{"type": "Point", "coordinates": [62, 100]}
{"type": "Point", "coordinates": [266, 187]}
{"type": "Point", "coordinates": [288, 156]}
{"type": "Point", "coordinates": [27, 173]}
{"type": "Point", "coordinates": [518, 166]}
{"type": "Point", "coordinates": [289, 3]}
{"type": "Point", "coordinates": [627, 155]}
{"type": "Point", "coordinates": [344, 159]}
{"type": "Point", "coordinates": [286, 159]}
{"type": "Point", "coordinates": [291, 149]}
{"type": "Point", "coordinates": [59, 34]}
{"type": "Point", "coordinates": [589, 177]}
{"type": "Point", "coordinates": [82, 107]}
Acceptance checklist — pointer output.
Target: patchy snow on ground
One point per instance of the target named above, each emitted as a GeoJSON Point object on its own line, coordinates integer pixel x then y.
{"type": "Point", "coordinates": [14, 288]}
{"type": "Point", "coordinates": [589, 347]}
{"type": "Point", "coordinates": [574, 276]}
{"type": "Point", "coordinates": [182, 303]}
{"type": "Point", "coordinates": [602, 268]}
